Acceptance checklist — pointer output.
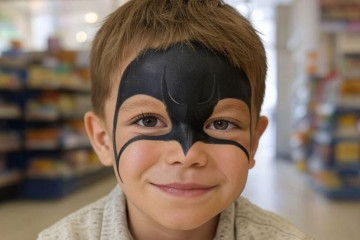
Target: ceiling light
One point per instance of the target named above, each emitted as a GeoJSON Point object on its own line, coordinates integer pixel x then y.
{"type": "Point", "coordinates": [81, 37]}
{"type": "Point", "coordinates": [91, 17]}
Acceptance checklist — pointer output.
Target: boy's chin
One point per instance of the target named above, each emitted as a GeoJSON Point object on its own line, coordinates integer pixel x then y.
{"type": "Point", "coordinates": [189, 223]}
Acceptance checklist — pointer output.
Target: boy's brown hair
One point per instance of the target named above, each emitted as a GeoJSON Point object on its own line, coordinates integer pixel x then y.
{"type": "Point", "coordinates": [143, 24]}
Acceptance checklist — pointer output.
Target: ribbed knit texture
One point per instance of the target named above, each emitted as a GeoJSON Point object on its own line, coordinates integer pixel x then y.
{"type": "Point", "coordinates": [106, 219]}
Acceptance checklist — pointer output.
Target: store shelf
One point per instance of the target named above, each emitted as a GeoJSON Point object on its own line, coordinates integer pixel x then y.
{"type": "Point", "coordinates": [42, 117]}
{"type": "Point", "coordinates": [336, 193]}
{"type": "Point", "coordinates": [346, 168]}
{"type": "Point", "coordinates": [9, 110]}
{"type": "Point", "coordinates": [10, 141]}
{"type": "Point", "coordinates": [10, 183]}
{"type": "Point", "coordinates": [12, 116]}
{"type": "Point", "coordinates": [54, 117]}
{"type": "Point", "coordinates": [39, 187]}
{"type": "Point", "coordinates": [77, 89]}
{"type": "Point", "coordinates": [13, 147]}
{"type": "Point", "coordinates": [334, 186]}
{"type": "Point", "coordinates": [9, 178]}
{"type": "Point", "coordinates": [10, 88]}
{"type": "Point", "coordinates": [41, 123]}
{"type": "Point", "coordinates": [331, 149]}
{"type": "Point", "coordinates": [339, 27]}
{"type": "Point", "coordinates": [9, 82]}
{"type": "Point", "coordinates": [49, 145]}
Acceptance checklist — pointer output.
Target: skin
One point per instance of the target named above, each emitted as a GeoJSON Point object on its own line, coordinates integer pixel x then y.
{"type": "Point", "coordinates": [156, 209]}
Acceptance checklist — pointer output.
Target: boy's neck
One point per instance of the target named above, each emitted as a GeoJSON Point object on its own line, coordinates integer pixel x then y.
{"type": "Point", "coordinates": [145, 228]}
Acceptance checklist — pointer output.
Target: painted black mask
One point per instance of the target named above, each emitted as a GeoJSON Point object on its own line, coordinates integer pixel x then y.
{"type": "Point", "coordinates": [190, 82]}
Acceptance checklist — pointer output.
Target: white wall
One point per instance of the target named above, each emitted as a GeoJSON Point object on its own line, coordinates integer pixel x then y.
{"type": "Point", "coordinates": [16, 25]}
{"type": "Point", "coordinates": [297, 34]}
{"type": "Point", "coordinates": [35, 21]}
{"type": "Point", "coordinates": [284, 80]}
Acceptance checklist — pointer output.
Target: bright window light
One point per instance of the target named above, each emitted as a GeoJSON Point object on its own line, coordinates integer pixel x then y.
{"type": "Point", "coordinates": [258, 15]}
{"type": "Point", "coordinates": [243, 9]}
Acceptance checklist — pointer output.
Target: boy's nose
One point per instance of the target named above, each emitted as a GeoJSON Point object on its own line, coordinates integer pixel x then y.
{"type": "Point", "coordinates": [194, 157]}
{"type": "Point", "coordinates": [185, 135]}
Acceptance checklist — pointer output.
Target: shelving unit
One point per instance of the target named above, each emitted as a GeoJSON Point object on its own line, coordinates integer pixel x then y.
{"type": "Point", "coordinates": [44, 150]}
{"type": "Point", "coordinates": [10, 133]}
{"type": "Point", "coordinates": [327, 137]}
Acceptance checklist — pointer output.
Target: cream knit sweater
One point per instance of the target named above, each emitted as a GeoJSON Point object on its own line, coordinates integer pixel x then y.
{"type": "Point", "coordinates": [105, 219]}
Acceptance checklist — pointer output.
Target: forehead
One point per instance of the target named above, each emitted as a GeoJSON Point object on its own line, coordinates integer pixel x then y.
{"type": "Point", "coordinates": [187, 75]}
{"type": "Point", "coordinates": [147, 103]}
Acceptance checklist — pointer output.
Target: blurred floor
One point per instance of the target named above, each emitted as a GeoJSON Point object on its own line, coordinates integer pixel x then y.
{"type": "Point", "coordinates": [273, 185]}
{"type": "Point", "coordinates": [23, 220]}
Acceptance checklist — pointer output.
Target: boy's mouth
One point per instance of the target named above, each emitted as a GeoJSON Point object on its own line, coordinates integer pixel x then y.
{"type": "Point", "coordinates": [184, 189]}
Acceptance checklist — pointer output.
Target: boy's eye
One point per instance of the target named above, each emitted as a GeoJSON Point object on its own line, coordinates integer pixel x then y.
{"type": "Point", "coordinates": [221, 125]}
{"type": "Point", "coordinates": [150, 121]}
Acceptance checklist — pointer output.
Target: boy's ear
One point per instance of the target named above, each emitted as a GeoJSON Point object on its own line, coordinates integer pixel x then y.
{"type": "Point", "coordinates": [260, 127]}
{"type": "Point", "coordinates": [99, 138]}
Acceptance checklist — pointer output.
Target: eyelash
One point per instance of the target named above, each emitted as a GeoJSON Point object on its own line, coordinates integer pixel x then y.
{"type": "Point", "coordinates": [136, 120]}
{"type": "Point", "coordinates": [145, 115]}
{"type": "Point", "coordinates": [229, 122]}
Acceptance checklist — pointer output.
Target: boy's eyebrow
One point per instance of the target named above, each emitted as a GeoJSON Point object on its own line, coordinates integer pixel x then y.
{"type": "Point", "coordinates": [239, 106]}
{"type": "Point", "coordinates": [139, 104]}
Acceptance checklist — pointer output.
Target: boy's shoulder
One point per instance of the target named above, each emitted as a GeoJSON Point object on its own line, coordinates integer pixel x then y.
{"type": "Point", "coordinates": [93, 221]}
{"type": "Point", "coordinates": [74, 225]}
{"type": "Point", "coordinates": [251, 220]}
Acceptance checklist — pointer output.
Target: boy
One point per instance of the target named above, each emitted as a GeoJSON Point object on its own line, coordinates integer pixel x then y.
{"type": "Point", "coordinates": [177, 88]}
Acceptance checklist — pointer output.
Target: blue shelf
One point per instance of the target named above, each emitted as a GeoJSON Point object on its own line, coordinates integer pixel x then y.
{"type": "Point", "coordinates": [17, 89]}
{"type": "Point", "coordinates": [337, 193]}
{"type": "Point", "coordinates": [52, 188]}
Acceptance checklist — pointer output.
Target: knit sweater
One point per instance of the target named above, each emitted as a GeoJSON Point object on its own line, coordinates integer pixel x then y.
{"type": "Point", "coordinates": [106, 219]}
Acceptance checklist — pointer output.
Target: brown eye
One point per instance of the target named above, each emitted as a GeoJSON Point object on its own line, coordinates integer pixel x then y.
{"type": "Point", "coordinates": [220, 124]}
{"type": "Point", "coordinates": [148, 121]}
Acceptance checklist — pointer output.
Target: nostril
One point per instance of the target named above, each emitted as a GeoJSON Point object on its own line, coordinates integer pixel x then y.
{"type": "Point", "coordinates": [194, 157]}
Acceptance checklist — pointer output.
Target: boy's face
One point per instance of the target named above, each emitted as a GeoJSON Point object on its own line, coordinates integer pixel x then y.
{"type": "Point", "coordinates": [182, 135]}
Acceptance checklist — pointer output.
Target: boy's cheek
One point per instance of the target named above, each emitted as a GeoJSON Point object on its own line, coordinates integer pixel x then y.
{"type": "Point", "coordinates": [233, 165]}
{"type": "Point", "coordinates": [242, 138]}
{"type": "Point", "coordinates": [138, 157]}
{"type": "Point", "coordinates": [245, 139]}
{"type": "Point", "coordinates": [228, 158]}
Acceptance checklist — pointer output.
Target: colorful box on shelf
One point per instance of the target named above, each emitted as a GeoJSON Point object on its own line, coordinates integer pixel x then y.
{"type": "Point", "coordinates": [347, 152]}
{"type": "Point", "coordinates": [10, 141]}
{"type": "Point", "coordinates": [74, 106]}
{"type": "Point", "coordinates": [10, 178]}
{"type": "Point", "coordinates": [71, 140]}
{"type": "Point", "coordinates": [41, 139]}
{"type": "Point", "coordinates": [62, 165]}
{"type": "Point", "coordinates": [351, 66]}
{"type": "Point", "coordinates": [9, 81]}
{"type": "Point", "coordinates": [9, 110]}
{"type": "Point", "coordinates": [48, 78]}
{"type": "Point", "coordinates": [41, 110]}
{"type": "Point", "coordinates": [335, 10]}
{"type": "Point", "coordinates": [49, 100]}
{"type": "Point", "coordinates": [334, 186]}
{"type": "Point", "coordinates": [52, 106]}
{"type": "Point", "coordinates": [73, 135]}
{"type": "Point", "coordinates": [45, 167]}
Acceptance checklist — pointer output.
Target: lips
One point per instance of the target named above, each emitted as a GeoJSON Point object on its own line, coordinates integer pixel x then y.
{"type": "Point", "coordinates": [184, 190]}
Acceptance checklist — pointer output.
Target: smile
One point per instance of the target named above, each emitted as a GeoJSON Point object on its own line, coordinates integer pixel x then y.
{"type": "Point", "coordinates": [184, 190]}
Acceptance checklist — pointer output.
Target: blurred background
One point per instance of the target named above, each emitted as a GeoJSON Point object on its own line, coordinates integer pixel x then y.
{"type": "Point", "coordinates": [308, 162]}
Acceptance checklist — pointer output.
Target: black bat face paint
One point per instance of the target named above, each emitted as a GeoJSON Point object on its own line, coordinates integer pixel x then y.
{"type": "Point", "coordinates": [190, 82]}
